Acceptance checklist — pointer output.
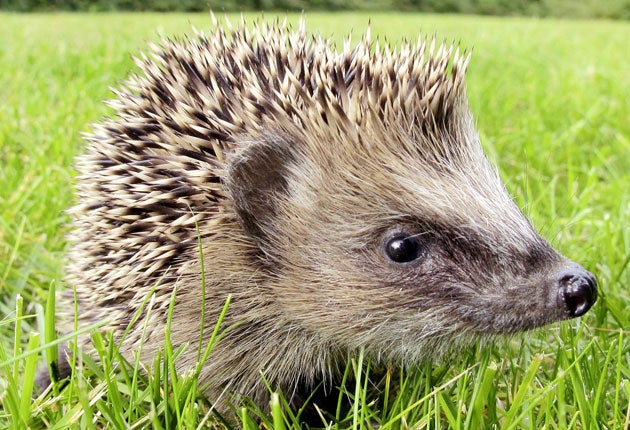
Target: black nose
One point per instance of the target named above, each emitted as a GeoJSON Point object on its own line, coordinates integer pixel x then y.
{"type": "Point", "coordinates": [578, 290]}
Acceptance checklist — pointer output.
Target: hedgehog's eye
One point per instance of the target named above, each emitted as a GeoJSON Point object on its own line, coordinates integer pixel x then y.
{"type": "Point", "coordinates": [403, 248]}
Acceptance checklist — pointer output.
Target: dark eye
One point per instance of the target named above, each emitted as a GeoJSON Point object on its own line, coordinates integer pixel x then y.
{"type": "Point", "coordinates": [403, 249]}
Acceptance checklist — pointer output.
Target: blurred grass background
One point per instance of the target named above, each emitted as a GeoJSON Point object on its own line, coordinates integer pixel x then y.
{"type": "Point", "coordinates": [614, 9]}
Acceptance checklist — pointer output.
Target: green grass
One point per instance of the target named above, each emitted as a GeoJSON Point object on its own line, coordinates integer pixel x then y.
{"type": "Point", "coordinates": [552, 102]}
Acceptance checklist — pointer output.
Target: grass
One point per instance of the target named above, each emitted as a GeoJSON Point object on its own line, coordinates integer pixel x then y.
{"type": "Point", "coordinates": [552, 102]}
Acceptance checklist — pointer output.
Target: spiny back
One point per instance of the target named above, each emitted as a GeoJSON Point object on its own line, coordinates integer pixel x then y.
{"type": "Point", "coordinates": [153, 172]}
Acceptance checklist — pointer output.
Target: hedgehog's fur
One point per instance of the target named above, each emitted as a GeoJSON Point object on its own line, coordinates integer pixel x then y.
{"type": "Point", "coordinates": [291, 162]}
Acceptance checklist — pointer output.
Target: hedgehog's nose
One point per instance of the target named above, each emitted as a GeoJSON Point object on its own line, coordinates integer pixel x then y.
{"type": "Point", "coordinates": [578, 290]}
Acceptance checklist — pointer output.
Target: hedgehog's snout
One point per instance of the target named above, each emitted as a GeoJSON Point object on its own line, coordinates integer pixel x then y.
{"type": "Point", "coordinates": [577, 290]}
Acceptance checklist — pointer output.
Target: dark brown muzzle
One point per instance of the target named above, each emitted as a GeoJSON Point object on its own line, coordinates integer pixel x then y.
{"type": "Point", "coordinates": [577, 290]}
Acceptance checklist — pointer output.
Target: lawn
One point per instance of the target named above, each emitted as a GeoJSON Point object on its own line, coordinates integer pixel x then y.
{"type": "Point", "coordinates": [552, 103]}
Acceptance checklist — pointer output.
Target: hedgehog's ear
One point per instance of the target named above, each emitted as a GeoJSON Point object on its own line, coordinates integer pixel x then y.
{"type": "Point", "coordinates": [257, 178]}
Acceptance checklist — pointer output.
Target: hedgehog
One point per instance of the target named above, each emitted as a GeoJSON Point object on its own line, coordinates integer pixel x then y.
{"type": "Point", "coordinates": [340, 197]}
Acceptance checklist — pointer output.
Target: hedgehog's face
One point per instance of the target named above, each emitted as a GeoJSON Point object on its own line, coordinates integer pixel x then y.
{"type": "Point", "coordinates": [395, 251]}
